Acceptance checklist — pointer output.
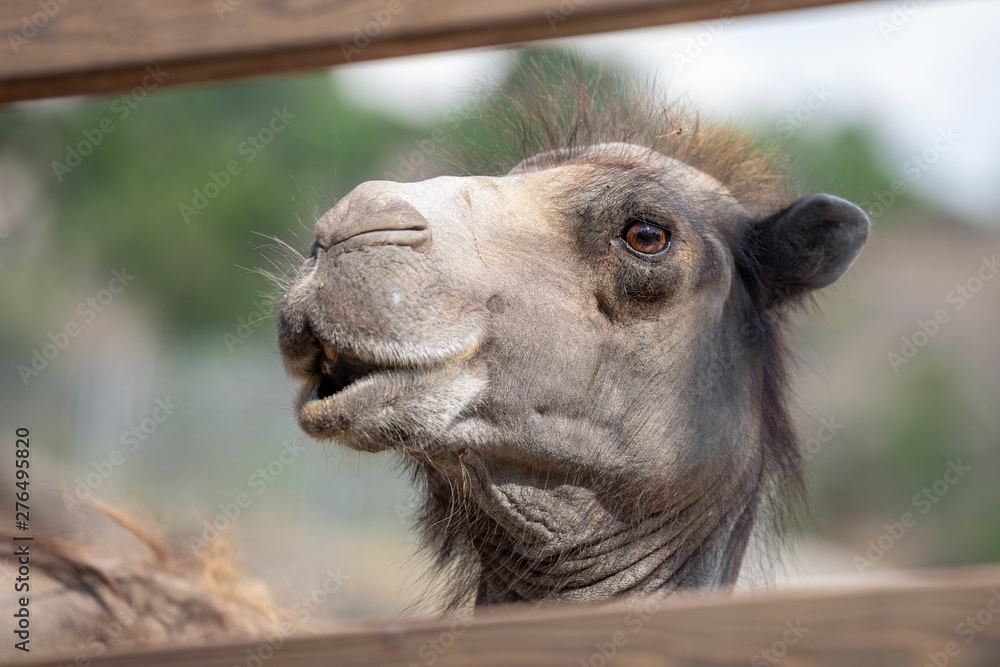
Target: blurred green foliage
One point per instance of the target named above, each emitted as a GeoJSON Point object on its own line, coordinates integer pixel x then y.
{"type": "Point", "coordinates": [898, 454]}
{"type": "Point", "coordinates": [850, 161]}
{"type": "Point", "coordinates": [847, 161]}
{"type": "Point", "coordinates": [122, 205]}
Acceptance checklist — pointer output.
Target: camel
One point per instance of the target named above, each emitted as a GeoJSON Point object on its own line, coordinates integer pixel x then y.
{"type": "Point", "coordinates": [580, 352]}
{"type": "Point", "coordinates": [582, 356]}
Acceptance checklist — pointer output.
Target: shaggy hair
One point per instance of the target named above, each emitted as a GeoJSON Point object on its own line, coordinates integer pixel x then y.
{"type": "Point", "coordinates": [551, 101]}
{"type": "Point", "coordinates": [141, 593]}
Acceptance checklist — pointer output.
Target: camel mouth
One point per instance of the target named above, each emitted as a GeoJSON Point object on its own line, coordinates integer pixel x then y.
{"type": "Point", "coordinates": [338, 374]}
{"type": "Point", "coordinates": [346, 390]}
{"type": "Point", "coordinates": [329, 402]}
{"type": "Point", "coordinates": [339, 370]}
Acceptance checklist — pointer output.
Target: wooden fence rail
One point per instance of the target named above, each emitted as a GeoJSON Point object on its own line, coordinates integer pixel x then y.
{"type": "Point", "coordinates": [71, 47]}
{"type": "Point", "coordinates": [938, 618]}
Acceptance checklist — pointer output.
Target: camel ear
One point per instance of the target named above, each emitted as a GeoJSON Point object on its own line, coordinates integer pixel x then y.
{"type": "Point", "coordinates": [807, 246]}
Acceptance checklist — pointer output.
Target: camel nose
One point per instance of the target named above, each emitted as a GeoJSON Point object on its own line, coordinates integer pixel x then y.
{"type": "Point", "coordinates": [372, 215]}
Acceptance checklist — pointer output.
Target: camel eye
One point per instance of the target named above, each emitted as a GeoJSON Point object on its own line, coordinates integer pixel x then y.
{"type": "Point", "coordinates": [646, 238]}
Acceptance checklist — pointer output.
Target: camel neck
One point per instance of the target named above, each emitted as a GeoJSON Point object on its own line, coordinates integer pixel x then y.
{"type": "Point", "coordinates": [699, 547]}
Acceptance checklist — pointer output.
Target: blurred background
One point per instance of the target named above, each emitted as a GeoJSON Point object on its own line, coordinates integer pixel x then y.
{"type": "Point", "coordinates": [138, 335]}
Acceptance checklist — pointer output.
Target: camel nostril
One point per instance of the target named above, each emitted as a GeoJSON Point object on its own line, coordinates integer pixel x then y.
{"type": "Point", "coordinates": [313, 249]}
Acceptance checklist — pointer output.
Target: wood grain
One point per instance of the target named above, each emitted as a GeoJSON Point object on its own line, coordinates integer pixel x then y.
{"type": "Point", "coordinates": [911, 623]}
{"type": "Point", "coordinates": [72, 47]}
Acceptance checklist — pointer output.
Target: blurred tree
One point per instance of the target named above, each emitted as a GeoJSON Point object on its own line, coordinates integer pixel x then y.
{"type": "Point", "coordinates": [896, 461]}
{"type": "Point", "coordinates": [849, 161]}
{"type": "Point", "coordinates": [184, 184]}
{"type": "Point", "coordinates": [503, 127]}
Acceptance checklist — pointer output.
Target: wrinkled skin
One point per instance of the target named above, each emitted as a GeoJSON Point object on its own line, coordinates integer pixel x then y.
{"type": "Point", "coordinates": [597, 412]}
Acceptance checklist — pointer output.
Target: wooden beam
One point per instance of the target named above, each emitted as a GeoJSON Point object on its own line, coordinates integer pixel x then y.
{"type": "Point", "coordinates": [74, 47]}
{"type": "Point", "coordinates": [938, 618]}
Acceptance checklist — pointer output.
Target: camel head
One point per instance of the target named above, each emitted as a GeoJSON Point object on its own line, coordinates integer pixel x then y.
{"type": "Point", "coordinates": [582, 357]}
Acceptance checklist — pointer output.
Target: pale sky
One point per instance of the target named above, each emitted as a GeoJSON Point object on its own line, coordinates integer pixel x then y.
{"type": "Point", "coordinates": [914, 68]}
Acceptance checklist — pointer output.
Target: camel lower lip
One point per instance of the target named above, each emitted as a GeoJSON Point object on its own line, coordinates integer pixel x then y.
{"type": "Point", "coordinates": [322, 389]}
{"type": "Point", "coordinates": [347, 391]}
{"type": "Point", "coordinates": [339, 371]}
{"type": "Point", "coordinates": [325, 416]}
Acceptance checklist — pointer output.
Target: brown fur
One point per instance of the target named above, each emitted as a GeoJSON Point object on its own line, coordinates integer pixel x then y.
{"type": "Point", "coordinates": [89, 599]}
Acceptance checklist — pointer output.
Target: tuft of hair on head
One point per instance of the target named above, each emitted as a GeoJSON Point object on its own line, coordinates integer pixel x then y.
{"type": "Point", "coordinates": [553, 100]}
